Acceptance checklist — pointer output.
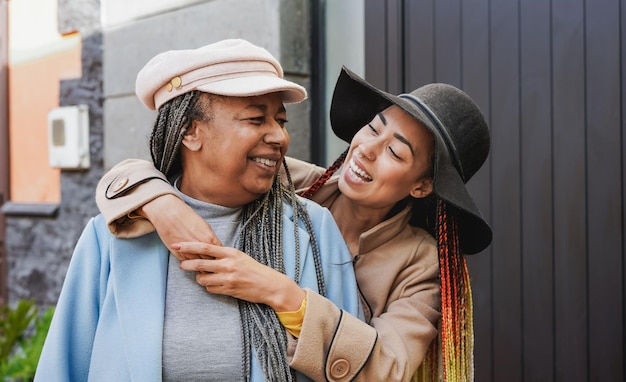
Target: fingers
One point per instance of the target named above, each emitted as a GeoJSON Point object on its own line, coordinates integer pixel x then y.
{"type": "Point", "coordinates": [198, 265]}
{"type": "Point", "coordinates": [198, 250]}
{"type": "Point", "coordinates": [204, 258]}
{"type": "Point", "coordinates": [183, 256]}
{"type": "Point", "coordinates": [208, 275]}
{"type": "Point", "coordinates": [233, 273]}
{"type": "Point", "coordinates": [214, 240]}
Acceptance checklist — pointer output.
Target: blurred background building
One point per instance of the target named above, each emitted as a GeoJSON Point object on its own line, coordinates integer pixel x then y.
{"type": "Point", "coordinates": [549, 293]}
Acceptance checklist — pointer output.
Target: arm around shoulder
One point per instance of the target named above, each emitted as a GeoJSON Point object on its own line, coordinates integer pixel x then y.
{"type": "Point", "coordinates": [126, 187]}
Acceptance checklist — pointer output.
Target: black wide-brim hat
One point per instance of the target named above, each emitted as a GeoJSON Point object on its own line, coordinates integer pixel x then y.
{"type": "Point", "coordinates": [461, 140]}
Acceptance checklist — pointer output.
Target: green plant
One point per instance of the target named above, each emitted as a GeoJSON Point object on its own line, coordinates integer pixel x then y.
{"type": "Point", "coordinates": [22, 334]}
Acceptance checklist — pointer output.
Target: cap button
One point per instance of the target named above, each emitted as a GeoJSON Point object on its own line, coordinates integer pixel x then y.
{"type": "Point", "coordinates": [340, 368]}
{"type": "Point", "coordinates": [174, 83]}
{"type": "Point", "coordinates": [120, 184]}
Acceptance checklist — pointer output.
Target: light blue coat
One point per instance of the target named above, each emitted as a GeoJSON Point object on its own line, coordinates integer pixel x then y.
{"type": "Point", "coordinates": [108, 324]}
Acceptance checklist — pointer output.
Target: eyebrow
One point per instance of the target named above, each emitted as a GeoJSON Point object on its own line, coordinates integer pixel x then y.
{"type": "Point", "coordinates": [382, 118]}
{"type": "Point", "coordinates": [264, 107]}
{"type": "Point", "coordinates": [261, 107]}
{"type": "Point", "coordinates": [405, 141]}
{"type": "Point", "coordinates": [396, 135]}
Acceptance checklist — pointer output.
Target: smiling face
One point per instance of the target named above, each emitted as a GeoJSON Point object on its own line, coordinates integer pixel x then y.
{"type": "Point", "coordinates": [232, 156]}
{"type": "Point", "coordinates": [389, 159]}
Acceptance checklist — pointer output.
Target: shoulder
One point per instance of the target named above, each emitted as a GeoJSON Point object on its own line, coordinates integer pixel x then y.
{"type": "Point", "coordinates": [423, 247]}
{"type": "Point", "coordinates": [300, 167]}
{"type": "Point", "coordinates": [303, 174]}
{"type": "Point", "coordinates": [99, 223]}
{"type": "Point", "coordinates": [320, 217]}
{"type": "Point", "coordinates": [98, 231]}
{"type": "Point", "coordinates": [400, 247]}
{"type": "Point", "coordinates": [316, 211]}
{"type": "Point", "coordinates": [421, 235]}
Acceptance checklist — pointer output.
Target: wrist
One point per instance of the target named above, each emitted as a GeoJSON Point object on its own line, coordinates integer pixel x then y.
{"type": "Point", "coordinates": [289, 299]}
{"type": "Point", "coordinates": [156, 205]}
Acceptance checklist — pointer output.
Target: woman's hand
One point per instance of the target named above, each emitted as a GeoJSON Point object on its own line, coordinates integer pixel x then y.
{"type": "Point", "coordinates": [228, 271]}
{"type": "Point", "coordinates": [175, 221]}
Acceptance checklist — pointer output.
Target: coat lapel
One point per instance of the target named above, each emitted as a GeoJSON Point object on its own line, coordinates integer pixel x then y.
{"type": "Point", "coordinates": [139, 274]}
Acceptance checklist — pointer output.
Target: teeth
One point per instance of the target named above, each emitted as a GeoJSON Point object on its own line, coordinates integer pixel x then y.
{"type": "Point", "coordinates": [357, 171]}
{"type": "Point", "coordinates": [267, 162]}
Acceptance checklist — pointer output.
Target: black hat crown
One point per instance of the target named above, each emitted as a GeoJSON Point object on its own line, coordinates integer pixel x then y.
{"type": "Point", "coordinates": [461, 124]}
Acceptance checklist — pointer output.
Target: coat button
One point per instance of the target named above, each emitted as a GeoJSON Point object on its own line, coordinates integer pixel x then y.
{"type": "Point", "coordinates": [339, 368]}
{"type": "Point", "coordinates": [119, 184]}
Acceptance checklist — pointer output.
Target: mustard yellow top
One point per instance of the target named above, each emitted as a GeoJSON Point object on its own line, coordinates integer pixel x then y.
{"type": "Point", "coordinates": [292, 321]}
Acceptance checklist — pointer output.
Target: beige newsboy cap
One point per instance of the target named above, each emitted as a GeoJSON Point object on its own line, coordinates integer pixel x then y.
{"type": "Point", "coordinates": [232, 67]}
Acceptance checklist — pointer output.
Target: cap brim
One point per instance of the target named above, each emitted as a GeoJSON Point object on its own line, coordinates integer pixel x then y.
{"type": "Point", "coordinates": [355, 103]}
{"type": "Point", "coordinates": [254, 86]}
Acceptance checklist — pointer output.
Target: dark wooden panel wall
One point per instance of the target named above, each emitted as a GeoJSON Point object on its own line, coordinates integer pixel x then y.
{"type": "Point", "coordinates": [550, 76]}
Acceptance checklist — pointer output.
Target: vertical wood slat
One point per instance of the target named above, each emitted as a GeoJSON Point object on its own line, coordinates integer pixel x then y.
{"type": "Point", "coordinates": [419, 43]}
{"type": "Point", "coordinates": [623, 133]}
{"type": "Point", "coordinates": [536, 191]}
{"type": "Point", "coordinates": [394, 47]}
{"type": "Point", "coordinates": [570, 244]}
{"type": "Point", "coordinates": [475, 81]}
{"type": "Point", "coordinates": [375, 37]}
{"type": "Point", "coordinates": [505, 156]}
{"type": "Point", "coordinates": [606, 333]}
{"type": "Point", "coordinates": [448, 42]}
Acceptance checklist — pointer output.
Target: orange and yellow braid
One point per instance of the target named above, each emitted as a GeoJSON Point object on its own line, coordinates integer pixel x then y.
{"type": "Point", "coordinates": [452, 358]}
{"type": "Point", "coordinates": [430, 368]}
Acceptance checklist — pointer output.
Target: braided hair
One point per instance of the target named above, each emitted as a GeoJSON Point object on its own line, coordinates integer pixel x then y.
{"type": "Point", "coordinates": [261, 236]}
{"type": "Point", "coordinates": [173, 120]}
{"type": "Point", "coordinates": [262, 240]}
{"type": "Point", "coordinates": [451, 356]}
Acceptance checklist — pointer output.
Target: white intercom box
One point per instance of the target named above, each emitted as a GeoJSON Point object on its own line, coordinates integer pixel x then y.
{"type": "Point", "coordinates": [68, 137]}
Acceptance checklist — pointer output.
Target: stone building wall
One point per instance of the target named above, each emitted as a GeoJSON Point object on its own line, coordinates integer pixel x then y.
{"type": "Point", "coordinates": [39, 248]}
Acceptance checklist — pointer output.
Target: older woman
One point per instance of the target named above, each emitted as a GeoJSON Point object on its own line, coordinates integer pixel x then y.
{"type": "Point", "coordinates": [401, 204]}
{"type": "Point", "coordinates": [127, 311]}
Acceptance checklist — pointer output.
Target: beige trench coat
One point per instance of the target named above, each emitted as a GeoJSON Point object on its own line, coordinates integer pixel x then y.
{"type": "Point", "coordinates": [396, 268]}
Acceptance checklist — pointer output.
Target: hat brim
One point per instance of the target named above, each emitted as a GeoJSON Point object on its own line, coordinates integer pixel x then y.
{"type": "Point", "coordinates": [355, 103]}
{"type": "Point", "coordinates": [254, 86]}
